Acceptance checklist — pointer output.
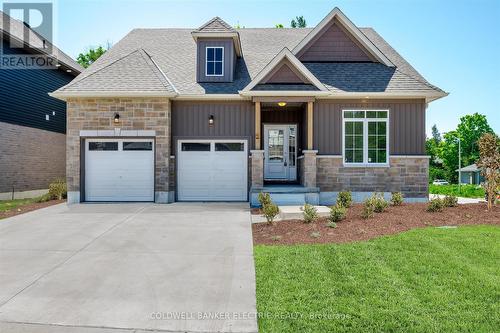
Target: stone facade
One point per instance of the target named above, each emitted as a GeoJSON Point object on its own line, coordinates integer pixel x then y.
{"type": "Point", "coordinates": [406, 174]}
{"type": "Point", "coordinates": [257, 171]}
{"type": "Point", "coordinates": [90, 114]}
{"type": "Point", "coordinates": [309, 166]}
{"type": "Point", "coordinates": [30, 158]}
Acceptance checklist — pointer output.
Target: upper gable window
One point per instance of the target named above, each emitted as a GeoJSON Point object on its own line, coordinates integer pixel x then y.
{"type": "Point", "coordinates": [214, 65]}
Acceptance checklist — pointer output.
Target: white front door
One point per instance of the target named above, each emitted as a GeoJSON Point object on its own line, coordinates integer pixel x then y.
{"type": "Point", "coordinates": [119, 169]}
{"type": "Point", "coordinates": [280, 152]}
{"type": "Point", "coordinates": [212, 170]}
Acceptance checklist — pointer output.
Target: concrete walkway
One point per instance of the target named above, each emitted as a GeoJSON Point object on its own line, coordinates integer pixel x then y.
{"type": "Point", "coordinates": [128, 268]}
{"type": "Point", "coordinates": [461, 200]}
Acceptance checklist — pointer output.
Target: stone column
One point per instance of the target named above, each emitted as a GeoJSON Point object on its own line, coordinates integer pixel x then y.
{"type": "Point", "coordinates": [309, 168]}
{"type": "Point", "coordinates": [257, 168]}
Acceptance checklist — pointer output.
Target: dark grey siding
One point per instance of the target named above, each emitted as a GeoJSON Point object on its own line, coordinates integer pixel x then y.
{"type": "Point", "coordinates": [229, 60]}
{"type": "Point", "coordinates": [231, 120]}
{"type": "Point", "coordinates": [24, 100]}
{"type": "Point", "coordinates": [406, 130]}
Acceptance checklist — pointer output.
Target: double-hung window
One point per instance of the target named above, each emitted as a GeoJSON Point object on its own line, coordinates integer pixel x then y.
{"type": "Point", "coordinates": [214, 65]}
{"type": "Point", "coordinates": [366, 137]}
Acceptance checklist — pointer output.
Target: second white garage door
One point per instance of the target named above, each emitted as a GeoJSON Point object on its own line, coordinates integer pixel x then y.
{"type": "Point", "coordinates": [212, 170]}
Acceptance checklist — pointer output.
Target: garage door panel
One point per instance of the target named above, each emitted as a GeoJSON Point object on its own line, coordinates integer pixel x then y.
{"type": "Point", "coordinates": [213, 175]}
{"type": "Point", "coordinates": [117, 175]}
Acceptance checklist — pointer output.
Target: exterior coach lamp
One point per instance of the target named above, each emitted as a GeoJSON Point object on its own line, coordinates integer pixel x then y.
{"type": "Point", "coordinates": [211, 120]}
{"type": "Point", "coordinates": [282, 104]}
{"type": "Point", "coordinates": [117, 118]}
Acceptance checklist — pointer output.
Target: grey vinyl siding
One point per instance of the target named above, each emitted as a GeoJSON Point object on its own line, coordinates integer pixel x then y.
{"type": "Point", "coordinates": [231, 120]}
{"type": "Point", "coordinates": [24, 98]}
{"type": "Point", "coordinates": [406, 129]}
{"type": "Point", "coordinates": [229, 59]}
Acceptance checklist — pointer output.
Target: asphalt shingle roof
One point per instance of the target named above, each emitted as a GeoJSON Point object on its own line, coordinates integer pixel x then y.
{"type": "Point", "coordinates": [16, 30]}
{"type": "Point", "coordinates": [133, 72]}
{"type": "Point", "coordinates": [174, 51]}
{"type": "Point", "coordinates": [216, 25]}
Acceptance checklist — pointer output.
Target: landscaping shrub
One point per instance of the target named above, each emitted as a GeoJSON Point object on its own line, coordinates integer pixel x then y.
{"type": "Point", "coordinates": [435, 205]}
{"type": "Point", "coordinates": [344, 199]}
{"type": "Point", "coordinates": [368, 209]}
{"type": "Point", "coordinates": [337, 213]}
{"type": "Point", "coordinates": [450, 201]}
{"type": "Point", "coordinates": [331, 225]}
{"type": "Point", "coordinates": [397, 198]}
{"type": "Point", "coordinates": [270, 211]}
{"type": "Point", "coordinates": [44, 198]}
{"type": "Point", "coordinates": [379, 203]}
{"type": "Point", "coordinates": [310, 213]}
{"type": "Point", "coordinates": [57, 189]}
{"type": "Point", "coordinates": [264, 198]}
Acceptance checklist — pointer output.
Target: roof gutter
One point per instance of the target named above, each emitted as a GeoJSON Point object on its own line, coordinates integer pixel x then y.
{"type": "Point", "coordinates": [110, 94]}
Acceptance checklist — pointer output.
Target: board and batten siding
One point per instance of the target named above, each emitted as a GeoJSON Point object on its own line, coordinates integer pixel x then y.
{"type": "Point", "coordinates": [406, 130]}
{"type": "Point", "coordinates": [24, 98]}
{"type": "Point", "coordinates": [232, 120]}
{"type": "Point", "coordinates": [229, 59]}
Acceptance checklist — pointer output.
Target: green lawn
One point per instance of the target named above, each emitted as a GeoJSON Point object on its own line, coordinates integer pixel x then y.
{"type": "Point", "coordinates": [466, 191]}
{"type": "Point", "coordinates": [424, 280]}
{"type": "Point", "coordinates": [12, 204]}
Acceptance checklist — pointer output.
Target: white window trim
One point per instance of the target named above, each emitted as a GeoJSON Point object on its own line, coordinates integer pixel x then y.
{"type": "Point", "coordinates": [206, 60]}
{"type": "Point", "coordinates": [365, 137]}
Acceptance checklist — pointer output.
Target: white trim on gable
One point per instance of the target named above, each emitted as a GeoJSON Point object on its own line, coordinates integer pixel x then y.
{"type": "Point", "coordinates": [285, 53]}
{"type": "Point", "coordinates": [351, 28]}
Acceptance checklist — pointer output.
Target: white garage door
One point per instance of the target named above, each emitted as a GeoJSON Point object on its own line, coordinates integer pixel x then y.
{"type": "Point", "coordinates": [119, 170]}
{"type": "Point", "coordinates": [212, 170]}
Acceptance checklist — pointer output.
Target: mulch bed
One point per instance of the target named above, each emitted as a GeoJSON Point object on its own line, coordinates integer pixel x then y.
{"type": "Point", "coordinates": [29, 207]}
{"type": "Point", "coordinates": [355, 228]}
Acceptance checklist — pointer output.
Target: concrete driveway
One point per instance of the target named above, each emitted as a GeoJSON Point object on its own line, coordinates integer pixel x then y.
{"type": "Point", "coordinates": [128, 268]}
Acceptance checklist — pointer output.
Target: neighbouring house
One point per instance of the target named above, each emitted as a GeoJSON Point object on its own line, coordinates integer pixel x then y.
{"type": "Point", "coordinates": [32, 124]}
{"type": "Point", "coordinates": [471, 174]}
{"type": "Point", "coordinates": [221, 114]}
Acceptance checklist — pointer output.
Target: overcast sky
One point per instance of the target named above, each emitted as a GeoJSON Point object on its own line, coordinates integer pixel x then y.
{"type": "Point", "coordinates": [454, 44]}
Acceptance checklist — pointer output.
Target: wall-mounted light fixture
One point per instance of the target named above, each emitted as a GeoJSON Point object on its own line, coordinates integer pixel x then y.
{"type": "Point", "coordinates": [116, 118]}
{"type": "Point", "coordinates": [282, 104]}
{"type": "Point", "coordinates": [211, 120]}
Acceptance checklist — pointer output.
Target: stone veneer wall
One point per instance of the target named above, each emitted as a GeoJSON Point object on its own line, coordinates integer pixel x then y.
{"type": "Point", "coordinates": [409, 175]}
{"type": "Point", "coordinates": [30, 158]}
{"type": "Point", "coordinates": [135, 114]}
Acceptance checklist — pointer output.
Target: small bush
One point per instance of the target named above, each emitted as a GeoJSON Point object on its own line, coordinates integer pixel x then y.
{"type": "Point", "coordinates": [379, 203]}
{"type": "Point", "coordinates": [44, 198]}
{"type": "Point", "coordinates": [57, 189]}
{"type": "Point", "coordinates": [331, 225]}
{"type": "Point", "coordinates": [337, 213]}
{"type": "Point", "coordinates": [310, 213]}
{"type": "Point", "coordinates": [344, 199]}
{"type": "Point", "coordinates": [270, 211]}
{"type": "Point", "coordinates": [450, 201]}
{"type": "Point", "coordinates": [264, 198]}
{"type": "Point", "coordinates": [397, 198]}
{"type": "Point", "coordinates": [435, 205]}
{"type": "Point", "coordinates": [368, 209]}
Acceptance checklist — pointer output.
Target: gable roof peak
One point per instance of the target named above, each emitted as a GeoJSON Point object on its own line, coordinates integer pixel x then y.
{"type": "Point", "coordinates": [216, 24]}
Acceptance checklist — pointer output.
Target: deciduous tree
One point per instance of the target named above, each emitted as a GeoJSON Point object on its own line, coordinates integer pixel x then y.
{"type": "Point", "coordinates": [489, 162]}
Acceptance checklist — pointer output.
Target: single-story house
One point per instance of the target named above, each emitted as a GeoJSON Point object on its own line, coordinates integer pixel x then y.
{"type": "Point", "coordinates": [32, 124]}
{"type": "Point", "coordinates": [221, 114]}
{"type": "Point", "coordinates": [471, 174]}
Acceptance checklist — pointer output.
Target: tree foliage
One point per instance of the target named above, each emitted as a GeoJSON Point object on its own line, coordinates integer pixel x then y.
{"type": "Point", "coordinates": [88, 58]}
{"type": "Point", "coordinates": [298, 22]}
{"type": "Point", "coordinates": [489, 162]}
{"type": "Point", "coordinates": [469, 130]}
{"type": "Point", "coordinates": [279, 26]}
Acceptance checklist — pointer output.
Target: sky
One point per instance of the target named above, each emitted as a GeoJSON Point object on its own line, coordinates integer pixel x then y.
{"type": "Point", "coordinates": [455, 44]}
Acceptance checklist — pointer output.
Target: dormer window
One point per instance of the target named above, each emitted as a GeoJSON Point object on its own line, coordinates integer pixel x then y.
{"type": "Point", "coordinates": [214, 65]}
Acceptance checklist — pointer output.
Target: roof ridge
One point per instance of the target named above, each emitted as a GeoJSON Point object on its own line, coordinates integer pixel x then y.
{"type": "Point", "coordinates": [216, 19]}
{"type": "Point", "coordinates": [171, 85]}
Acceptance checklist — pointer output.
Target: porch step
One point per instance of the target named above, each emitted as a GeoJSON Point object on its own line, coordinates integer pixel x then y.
{"type": "Point", "coordinates": [297, 213]}
{"type": "Point", "coordinates": [286, 195]}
